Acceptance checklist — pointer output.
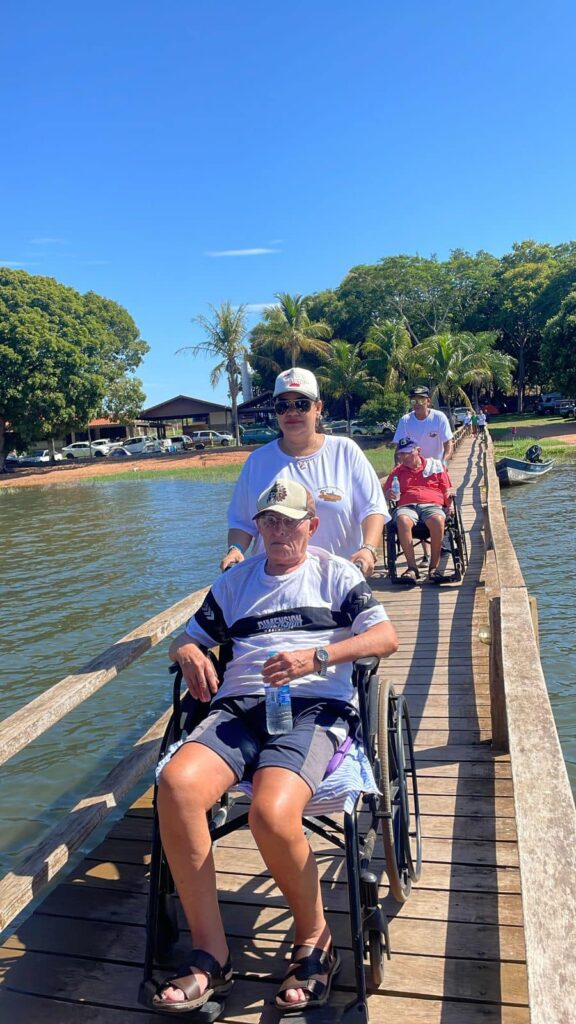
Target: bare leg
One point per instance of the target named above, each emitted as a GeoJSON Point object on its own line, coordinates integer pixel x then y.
{"type": "Point", "coordinates": [280, 797]}
{"type": "Point", "coordinates": [405, 526]}
{"type": "Point", "coordinates": [435, 525]}
{"type": "Point", "coordinates": [191, 783]}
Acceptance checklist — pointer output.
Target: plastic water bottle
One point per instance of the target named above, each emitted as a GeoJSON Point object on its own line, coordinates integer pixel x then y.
{"type": "Point", "coordinates": [278, 706]}
{"type": "Point", "coordinates": [395, 488]}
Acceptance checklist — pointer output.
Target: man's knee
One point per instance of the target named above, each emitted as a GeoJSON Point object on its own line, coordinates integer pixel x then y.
{"type": "Point", "coordinates": [181, 781]}
{"type": "Point", "coordinates": [277, 817]}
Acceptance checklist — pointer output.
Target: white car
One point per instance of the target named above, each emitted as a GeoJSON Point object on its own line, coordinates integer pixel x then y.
{"type": "Point", "coordinates": [37, 457]}
{"type": "Point", "coordinates": [341, 427]}
{"type": "Point", "coordinates": [141, 445]}
{"type": "Point", "coordinates": [85, 449]}
{"type": "Point", "coordinates": [459, 413]}
{"type": "Point", "coordinates": [181, 442]}
{"type": "Point", "coordinates": [209, 438]}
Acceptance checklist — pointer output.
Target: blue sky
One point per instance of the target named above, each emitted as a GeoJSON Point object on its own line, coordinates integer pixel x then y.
{"type": "Point", "coordinates": [170, 155]}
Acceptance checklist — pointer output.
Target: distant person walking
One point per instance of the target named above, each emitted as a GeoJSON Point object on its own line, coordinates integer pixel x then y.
{"type": "Point", "coordinates": [474, 424]}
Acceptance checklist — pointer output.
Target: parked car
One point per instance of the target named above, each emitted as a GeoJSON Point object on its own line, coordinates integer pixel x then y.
{"type": "Point", "coordinates": [569, 411]}
{"type": "Point", "coordinates": [84, 449]}
{"type": "Point", "coordinates": [259, 435]}
{"type": "Point", "coordinates": [181, 442]}
{"type": "Point", "coordinates": [211, 438]}
{"type": "Point", "coordinates": [141, 445]}
{"type": "Point", "coordinates": [120, 452]}
{"type": "Point", "coordinates": [37, 457]}
{"type": "Point", "coordinates": [341, 427]}
{"type": "Point", "coordinates": [459, 413]}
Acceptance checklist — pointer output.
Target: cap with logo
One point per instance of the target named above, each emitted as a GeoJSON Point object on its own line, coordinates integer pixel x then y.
{"type": "Point", "coordinates": [287, 497]}
{"type": "Point", "coordinates": [406, 444]}
{"type": "Point", "coordinates": [419, 392]}
{"type": "Point", "coordinates": [301, 382]}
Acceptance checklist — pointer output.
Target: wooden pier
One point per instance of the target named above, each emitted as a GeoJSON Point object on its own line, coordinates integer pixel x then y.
{"type": "Point", "coordinates": [484, 935]}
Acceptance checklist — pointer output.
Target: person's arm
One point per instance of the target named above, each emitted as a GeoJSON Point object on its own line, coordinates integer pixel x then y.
{"type": "Point", "coordinates": [448, 447]}
{"type": "Point", "coordinates": [379, 641]}
{"type": "Point", "coordinates": [372, 529]}
{"type": "Point", "coordinates": [238, 543]}
{"type": "Point", "coordinates": [241, 530]}
{"type": "Point", "coordinates": [198, 671]}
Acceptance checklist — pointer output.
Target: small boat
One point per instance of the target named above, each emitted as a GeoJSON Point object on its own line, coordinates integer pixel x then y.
{"type": "Point", "coordinates": [523, 471]}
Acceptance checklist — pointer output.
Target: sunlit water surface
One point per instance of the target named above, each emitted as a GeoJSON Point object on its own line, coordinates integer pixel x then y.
{"type": "Point", "coordinates": [81, 565]}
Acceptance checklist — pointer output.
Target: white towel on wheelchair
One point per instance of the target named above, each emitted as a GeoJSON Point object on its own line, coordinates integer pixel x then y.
{"type": "Point", "coordinates": [339, 791]}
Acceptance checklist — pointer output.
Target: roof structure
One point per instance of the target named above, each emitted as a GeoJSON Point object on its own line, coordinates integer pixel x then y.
{"type": "Point", "coordinates": [181, 405]}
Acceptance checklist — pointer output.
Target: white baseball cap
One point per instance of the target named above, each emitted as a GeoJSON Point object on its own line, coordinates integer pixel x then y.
{"type": "Point", "coordinates": [302, 382]}
{"type": "Point", "coordinates": [288, 497]}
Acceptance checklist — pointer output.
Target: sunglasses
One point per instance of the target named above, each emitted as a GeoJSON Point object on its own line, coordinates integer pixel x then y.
{"type": "Point", "coordinates": [301, 404]}
{"type": "Point", "coordinates": [274, 522]}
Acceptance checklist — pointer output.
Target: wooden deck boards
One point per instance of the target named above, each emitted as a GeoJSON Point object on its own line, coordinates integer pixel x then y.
{"type": "Point", "coordinates": [458, 947]}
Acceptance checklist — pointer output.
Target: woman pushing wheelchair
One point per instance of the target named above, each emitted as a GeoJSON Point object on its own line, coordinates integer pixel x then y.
{"type": "Point", "coordinates": [293, 616]}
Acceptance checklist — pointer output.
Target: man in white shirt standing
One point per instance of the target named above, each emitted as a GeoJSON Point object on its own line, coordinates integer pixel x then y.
{"type": "Point", "coordinates": [428, 427]}
{"type": "Point", "coordinates": [431, 431]}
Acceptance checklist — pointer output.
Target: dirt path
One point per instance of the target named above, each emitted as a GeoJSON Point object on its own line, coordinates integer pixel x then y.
{"type": "Point", "coordinates": [71, 473]}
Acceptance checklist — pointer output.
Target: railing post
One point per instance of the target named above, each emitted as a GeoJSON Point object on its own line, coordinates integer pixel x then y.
{"type": "Point", "coordinates": [496, 679]}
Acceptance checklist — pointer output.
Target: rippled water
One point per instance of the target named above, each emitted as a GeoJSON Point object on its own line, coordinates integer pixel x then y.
{"type": "Point", "coordinates": [80, 566]}
{"type": "Point", "coordinates": [541, 522]}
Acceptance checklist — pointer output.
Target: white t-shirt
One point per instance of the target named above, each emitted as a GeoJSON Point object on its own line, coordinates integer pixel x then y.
{"type": "Point", "coordinates": [429, 433]}
{"type": "Point", "coordinates": [325, 600]}
{"type": "Point", "coordinates": [339, 476]}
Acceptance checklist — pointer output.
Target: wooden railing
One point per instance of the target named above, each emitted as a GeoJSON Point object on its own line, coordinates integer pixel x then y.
{"type": "Point", "coordinates": [19, 887]}
{"type": "Point", "coordinates": [523, 723]}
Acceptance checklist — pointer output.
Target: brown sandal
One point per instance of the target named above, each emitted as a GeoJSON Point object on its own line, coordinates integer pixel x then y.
{"type": "Point", "coordinates": [312, 969]}
{"type": "Point", "coordinates": [219, 983]}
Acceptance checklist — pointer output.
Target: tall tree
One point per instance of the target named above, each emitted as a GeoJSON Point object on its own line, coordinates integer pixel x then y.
{"type": "Point", "coordinates": [62, 356]}
{"type": "Point", "coordinates": [288, 328]}
{"type": "Point", "coordinates": [224, 335]}
{"type": "Point", "coordinates": [344, 375]}
{"type": "Point", "coordinates": [559, 347]}
{"type": "Point", "coordinates": [452, 362]}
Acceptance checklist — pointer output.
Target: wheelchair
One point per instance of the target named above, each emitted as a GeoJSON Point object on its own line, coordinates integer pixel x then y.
{"type": "Point", "coordinates": [454, 543]}
{"type": "Point", "coordinates": [384, 825]}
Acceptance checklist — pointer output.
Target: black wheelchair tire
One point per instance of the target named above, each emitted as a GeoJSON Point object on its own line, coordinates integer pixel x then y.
{"type": "Point", "coordinates": [376, 953]}
{"type": "Point", "coordinates": [399, 880]}
{"type": "Point", "coordinates": [401, 830]}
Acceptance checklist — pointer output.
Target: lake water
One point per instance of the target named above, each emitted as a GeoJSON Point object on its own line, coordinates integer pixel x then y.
{"type": "Point", "coordinates": [81, 565]}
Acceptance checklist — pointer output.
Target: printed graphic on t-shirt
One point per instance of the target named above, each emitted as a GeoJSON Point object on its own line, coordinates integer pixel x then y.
{"type": "Point", "coordinates": [329, 494]}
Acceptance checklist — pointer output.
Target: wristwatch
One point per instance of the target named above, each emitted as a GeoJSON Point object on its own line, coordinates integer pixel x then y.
{"type": "Point", "coordinates": [370, 547]}
{"type": "Point", "coordinates": [321, 655]}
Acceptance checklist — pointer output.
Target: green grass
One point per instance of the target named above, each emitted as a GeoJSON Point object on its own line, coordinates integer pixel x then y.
{"type": "Point", "coordinates": [382, 459]}
{"type": "Point", "coordinates": [500, 426]}
{"type": "Point", "coordinates": [207, 475]}
{"type": "Point", "coordinates": [551, 448]}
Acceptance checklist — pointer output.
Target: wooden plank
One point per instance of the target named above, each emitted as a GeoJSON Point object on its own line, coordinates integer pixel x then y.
{"type": "Point", "coordinates": [408, 975]}
{"type": "Point", "coordinates": [249, 1004]}
{"type": "Point", "coordinates": [19, 887]}
{"type": "Point", "coordinates": [19, 729]}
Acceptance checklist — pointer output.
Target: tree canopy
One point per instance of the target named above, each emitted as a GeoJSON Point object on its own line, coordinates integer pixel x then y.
{"type": "Point", "coordinates": [64, 357]}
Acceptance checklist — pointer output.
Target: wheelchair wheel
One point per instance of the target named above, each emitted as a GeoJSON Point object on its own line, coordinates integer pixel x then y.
{"type": "Point", "coordinates": [377, 954]}
{"type": "Point", "coordinates": [400, 825]}
{"type": "Point", "coordinates": [391, 552]}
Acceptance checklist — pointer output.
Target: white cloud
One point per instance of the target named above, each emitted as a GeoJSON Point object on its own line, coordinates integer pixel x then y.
{"type": "Point", "coordinates": [241, 252]}
{"type": "Point", "coordinates": [258, 307]}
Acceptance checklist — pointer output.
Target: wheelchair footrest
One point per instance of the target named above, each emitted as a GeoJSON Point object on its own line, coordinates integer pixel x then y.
{"type": "Point", "coordinates": [205, 1014]}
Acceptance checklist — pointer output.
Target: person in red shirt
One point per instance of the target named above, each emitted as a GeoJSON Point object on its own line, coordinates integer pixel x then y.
{"type": "Point", "coordinates": [425, 497]}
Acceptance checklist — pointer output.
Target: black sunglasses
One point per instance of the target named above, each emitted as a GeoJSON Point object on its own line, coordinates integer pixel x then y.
{"type": "Point", "coordinates": [301, 404]}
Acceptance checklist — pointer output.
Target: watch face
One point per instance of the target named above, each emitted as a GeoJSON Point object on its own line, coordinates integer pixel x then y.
{"type": "Point", "coordinates": [322, 654]}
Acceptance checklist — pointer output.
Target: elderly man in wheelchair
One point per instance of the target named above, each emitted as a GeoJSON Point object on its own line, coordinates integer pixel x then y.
{"type": "Point", "coordinates": [422, 491]}
{"type": "Point", "coordinates": [293, 616]}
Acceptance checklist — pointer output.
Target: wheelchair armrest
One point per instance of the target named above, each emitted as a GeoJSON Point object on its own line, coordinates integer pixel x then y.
{"type": "Point", "coordinates": [366, 665]}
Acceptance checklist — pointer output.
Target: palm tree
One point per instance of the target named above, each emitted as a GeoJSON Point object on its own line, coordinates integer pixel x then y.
{"type": "Point", "coordinates": [288, 327]}
{"type": "Point", "coordinates": [387, 349]}
{"type": "Point", "coordinates": [456, 361]}
{"type": "Point", "coordinates": [344, 375]}
{"type": "Point", "coordinates": [224, 336]}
